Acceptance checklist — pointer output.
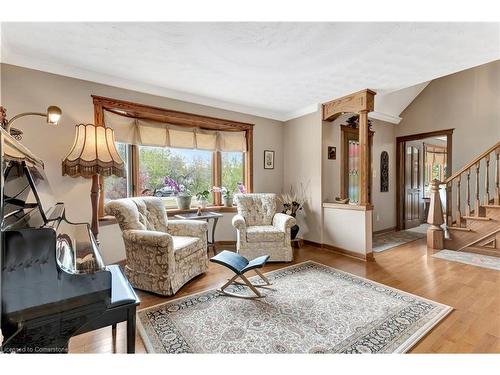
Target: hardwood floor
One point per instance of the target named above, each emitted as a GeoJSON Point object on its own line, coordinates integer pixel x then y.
{"type": "Point", "coordinates": [474, 293]}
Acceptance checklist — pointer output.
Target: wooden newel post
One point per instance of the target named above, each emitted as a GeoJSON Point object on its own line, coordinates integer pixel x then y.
{"type": "Point", "coordinates": [435, 234]}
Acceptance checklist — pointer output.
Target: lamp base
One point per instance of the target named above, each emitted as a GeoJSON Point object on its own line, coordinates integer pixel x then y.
{"type": "Point", "coordinates": [94, 199]}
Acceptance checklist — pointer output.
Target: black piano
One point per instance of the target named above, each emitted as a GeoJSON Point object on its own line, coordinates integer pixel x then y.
{"type": "Point", "coordinates": [54, 284]}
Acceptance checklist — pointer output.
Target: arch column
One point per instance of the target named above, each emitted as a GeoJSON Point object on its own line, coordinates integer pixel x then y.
{"type": "Point", "coordinates": [360, 102]}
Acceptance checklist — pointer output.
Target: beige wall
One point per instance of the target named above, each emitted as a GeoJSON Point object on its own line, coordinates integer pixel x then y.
{"type": "Point", "coordinates": [30, 90]}
{"type": "Point", "coordinates": [468, 101]}
{"type": "Point", "coordinates": [302, 153]}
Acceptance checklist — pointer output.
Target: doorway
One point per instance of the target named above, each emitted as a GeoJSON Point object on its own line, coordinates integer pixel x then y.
{"type": "Point", "coordinates": [421, 158]}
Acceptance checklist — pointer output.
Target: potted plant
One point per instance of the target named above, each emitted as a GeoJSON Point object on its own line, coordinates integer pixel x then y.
{"type": "Point", "coordinates": [181, 192]}
{"type": "Point", "coordinates": [202, 198]}
{"type": "Point", "coordinates": [227, 195]}
{"type": "Point", "coordinates": [292, 203]}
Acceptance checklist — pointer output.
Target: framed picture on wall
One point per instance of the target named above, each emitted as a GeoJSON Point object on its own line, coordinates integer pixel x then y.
{"type": "Point", "coordinates": [332, 153]}
{"type": "Point", "coordinates": [268, 159]}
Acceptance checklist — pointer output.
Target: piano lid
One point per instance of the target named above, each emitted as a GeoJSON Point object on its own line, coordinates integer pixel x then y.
{"type": "Point", "coordinates": [24, 184]}
{"type": "Point", "coordinates": [11, 149]}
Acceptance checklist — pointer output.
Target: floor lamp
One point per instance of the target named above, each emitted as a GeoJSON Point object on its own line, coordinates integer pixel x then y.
{"type": "Point", "coordinates": [93, 153]}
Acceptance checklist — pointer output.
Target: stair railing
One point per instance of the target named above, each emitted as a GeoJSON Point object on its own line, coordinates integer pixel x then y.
{"type": "Point", "coordinates": [468, 198]}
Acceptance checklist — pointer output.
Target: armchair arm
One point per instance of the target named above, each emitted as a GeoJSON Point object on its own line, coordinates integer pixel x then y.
{"type": "Point", "coordinates": [239, 222]}
{"type": "Point", "coordinates": [192, 228]}
{"type": "Point", "coordinates": [148, 237]}
{"type": "Point", "coordinates": [147, 249]}
{"type": "Point", "coordinates": [283, 222]}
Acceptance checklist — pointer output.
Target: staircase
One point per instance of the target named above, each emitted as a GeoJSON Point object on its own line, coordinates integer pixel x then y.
{"type": "Point", "coordinates": [472, 212]}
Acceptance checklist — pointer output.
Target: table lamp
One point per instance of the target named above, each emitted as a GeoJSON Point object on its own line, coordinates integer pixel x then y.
{"type": "Point", "coordinates": [93, 153]}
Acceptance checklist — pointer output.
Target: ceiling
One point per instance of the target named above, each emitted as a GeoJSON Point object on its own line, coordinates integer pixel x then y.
{"type": "Point", "coordinates": [276, 70]}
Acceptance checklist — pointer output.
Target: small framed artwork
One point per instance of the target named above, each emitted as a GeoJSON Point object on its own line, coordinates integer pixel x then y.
{"type": "Point", "coordinates": [268, 159]}
{"type": "Point", "coordinates": [332, 152]}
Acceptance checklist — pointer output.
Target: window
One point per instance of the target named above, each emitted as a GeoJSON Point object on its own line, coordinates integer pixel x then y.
{"type": "Point", "coordinates": [350, 178]}
{"type": "Point", "coordinates": [232, 169]}
{"type": "Point", "coordinates": [119, 187]}
{"type": "Point", "coordinates": [194, 168]}
{"type": "Point", "coordinates": [175, 134]}
{"type": "Point", "coordinates": [435, 158]}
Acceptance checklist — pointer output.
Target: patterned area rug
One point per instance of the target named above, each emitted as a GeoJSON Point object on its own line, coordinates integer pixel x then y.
{"type": "Point", "coordinates": [311, 308]}
{"type": "Point", "coordinates": [386, 241]}
{"type": "Point", "coordinates": [478, 260]}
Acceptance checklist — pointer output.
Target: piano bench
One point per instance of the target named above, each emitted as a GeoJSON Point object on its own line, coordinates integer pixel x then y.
{"type": "Point", "coordinates": [123, 307]}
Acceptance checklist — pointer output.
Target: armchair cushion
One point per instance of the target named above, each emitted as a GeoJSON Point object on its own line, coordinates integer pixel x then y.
{"type": "Point", "coordinates": [185, 246]}
{"type": "Point", "coordinates": [264, 233]}
{"type": "Point", "coordinates": [256, 209]}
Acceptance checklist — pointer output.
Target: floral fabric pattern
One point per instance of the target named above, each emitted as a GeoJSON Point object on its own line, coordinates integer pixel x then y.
{"type": "Point", "coordinates": [256, 209]}
{"type": "Point", "coordinates": [162, 255]}
{"type": "Point", "coordinates": [260, 230]}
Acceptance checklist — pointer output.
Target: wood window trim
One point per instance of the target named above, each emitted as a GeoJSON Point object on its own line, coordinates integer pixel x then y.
{"type": "Point", "coordinates": [347, 133]}
{"type": "Point", "coordinates": [146, 112]}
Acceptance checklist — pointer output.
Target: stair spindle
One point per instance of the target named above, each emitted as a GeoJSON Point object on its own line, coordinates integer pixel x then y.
{"type": "Point", "coordinates": [457, 212]}
{"type": "Point", "coordinates": [476, 200]}
{"type": "Point", "coordinates": [497, 177]}
{"type": "Point", "coordinates": [449, 208]}
{"type": "Point", "coordinates": [487, 181]}
{"type": "Point", "coordinates": [467, 194]}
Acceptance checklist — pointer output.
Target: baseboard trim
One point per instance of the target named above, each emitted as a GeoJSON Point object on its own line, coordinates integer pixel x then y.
{"type": "Point", "coordinates": [341, 251]}
{"type": "Point", "coordinates": [386, 230]}
{"type": "Point", "coordinates": [225, 243]}
{"type": "Point", "coordinates": [312, 243]}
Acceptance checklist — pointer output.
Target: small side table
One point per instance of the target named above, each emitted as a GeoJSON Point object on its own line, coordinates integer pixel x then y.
{"type": "Point", "coordinates": [207, 216]}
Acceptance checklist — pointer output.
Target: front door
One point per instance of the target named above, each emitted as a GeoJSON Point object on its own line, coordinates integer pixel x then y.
{"type": "Point", "coordinates": [414, 204]}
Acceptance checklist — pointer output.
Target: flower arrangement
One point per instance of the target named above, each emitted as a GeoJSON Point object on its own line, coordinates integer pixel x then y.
{"type": "Point", "coordinates": [227, 195]}
{"type": "Point", "coordinates": [241, 188]}
{"type": "Point", "coordinates": [293, 202]}
{"type": "Point", "coordinates": [179, 189]}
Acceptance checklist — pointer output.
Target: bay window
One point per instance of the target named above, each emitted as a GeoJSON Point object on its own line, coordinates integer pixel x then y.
{"type": "Point", "coordinates": [199, 151]}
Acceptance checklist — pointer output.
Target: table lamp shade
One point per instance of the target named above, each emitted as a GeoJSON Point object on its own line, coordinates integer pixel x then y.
{"type": "Point", "coordinates": [93, 152]}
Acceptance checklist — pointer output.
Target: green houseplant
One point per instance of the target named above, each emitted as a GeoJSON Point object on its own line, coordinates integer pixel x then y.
{"type": "Point", "coordinates": [202, 198]}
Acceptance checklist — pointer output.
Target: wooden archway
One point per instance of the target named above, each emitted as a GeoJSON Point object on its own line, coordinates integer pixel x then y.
{"type": "Point", "coordinates": [360, 102]}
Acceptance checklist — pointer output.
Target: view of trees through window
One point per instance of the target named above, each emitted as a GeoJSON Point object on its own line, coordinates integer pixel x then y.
{"type": "Point", "coordinates": [118, 187]}
{"type": "Point", "coordinates": [193, 168]}
{"type": "Point", "coordinates": [232, 169]}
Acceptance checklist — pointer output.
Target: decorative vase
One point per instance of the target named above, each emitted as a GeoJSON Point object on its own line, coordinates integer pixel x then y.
{"type": "Point", "coordinates": [227, 201]}
{"type": "Point", "coordinates": [294, 231]}
{"type": "Point", "coordinates": [184, 202]}
{"type": "Point", "coordinates": [203, 203]}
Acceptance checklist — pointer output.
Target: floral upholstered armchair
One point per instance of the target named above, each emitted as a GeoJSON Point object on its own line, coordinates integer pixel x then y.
{"type": "Point", "coordinates": [162, 254]}
{"type": "Point", "coordinates": [260, 230]}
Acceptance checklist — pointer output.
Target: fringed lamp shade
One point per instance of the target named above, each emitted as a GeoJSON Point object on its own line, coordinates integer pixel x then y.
{"type": "Point", "coordinates": [93, 152]}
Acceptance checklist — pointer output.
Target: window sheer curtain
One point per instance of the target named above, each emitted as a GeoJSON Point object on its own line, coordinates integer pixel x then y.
{"type": "Point", "coordinates": [153, 133]}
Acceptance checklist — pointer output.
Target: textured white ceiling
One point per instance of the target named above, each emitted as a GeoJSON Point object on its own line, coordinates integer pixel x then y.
{"type": "Point", "coordinates": [277, 70]}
